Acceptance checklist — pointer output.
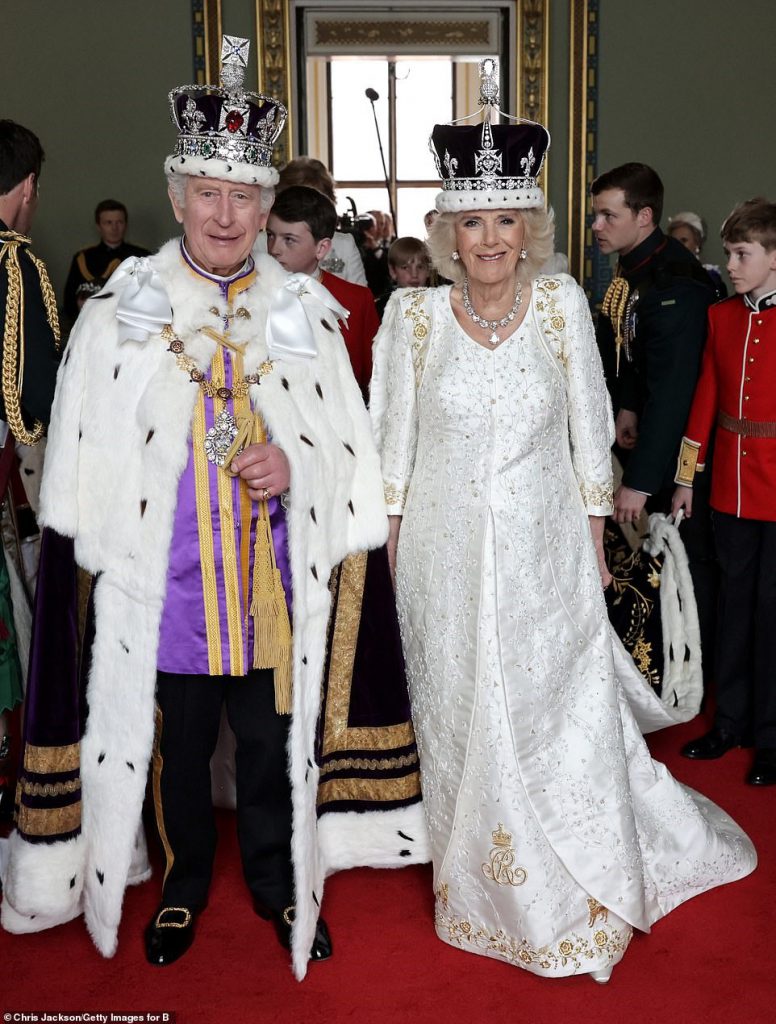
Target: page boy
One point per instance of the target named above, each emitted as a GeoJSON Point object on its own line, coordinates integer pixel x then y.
{"type": "Point", "coordinates": [409, 265]}
{"type": "Point", "coordinates": [299, 234]}
{"type": "Point", "coordinates": [736, 393]}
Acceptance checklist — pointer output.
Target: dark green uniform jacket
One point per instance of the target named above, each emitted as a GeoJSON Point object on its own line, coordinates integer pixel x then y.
{"type": "Point", "coordinates": [670, 293]}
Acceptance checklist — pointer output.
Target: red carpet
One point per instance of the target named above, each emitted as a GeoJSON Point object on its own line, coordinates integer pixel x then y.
{"type": "Point", "coordinates": [713, 961]}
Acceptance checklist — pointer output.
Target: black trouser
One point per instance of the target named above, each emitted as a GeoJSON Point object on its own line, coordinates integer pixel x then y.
{"type": "Point", "coordinates": [190, 708]}
{"type": "Point", "coordinates": [745, 665]}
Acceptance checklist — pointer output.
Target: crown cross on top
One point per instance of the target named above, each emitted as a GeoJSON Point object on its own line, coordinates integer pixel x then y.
{"type": "Point", "coordinates": [234, 62]}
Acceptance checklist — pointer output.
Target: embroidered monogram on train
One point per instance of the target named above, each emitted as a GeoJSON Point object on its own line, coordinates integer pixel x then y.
{"type": "Point", "coordinates": [502, 858]}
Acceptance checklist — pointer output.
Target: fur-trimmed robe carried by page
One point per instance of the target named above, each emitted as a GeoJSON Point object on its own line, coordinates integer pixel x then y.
{"type": "Point", "coordinates": [118, 445]}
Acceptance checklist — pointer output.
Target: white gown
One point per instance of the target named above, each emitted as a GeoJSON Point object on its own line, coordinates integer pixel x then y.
{"type": "Point", "coordinates": [553, 831]}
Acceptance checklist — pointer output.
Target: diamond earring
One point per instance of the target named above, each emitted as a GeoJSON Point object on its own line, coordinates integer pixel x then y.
{"type": "Point", "coordinates": [455, 255]}
{"type": "Point", "coordinates": [523, 254]}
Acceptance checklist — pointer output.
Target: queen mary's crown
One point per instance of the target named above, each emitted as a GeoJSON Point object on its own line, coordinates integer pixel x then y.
{"type": "Point", "coordinates": [226, 132]}
{"type": "Point", "coordinates": [489, 165]}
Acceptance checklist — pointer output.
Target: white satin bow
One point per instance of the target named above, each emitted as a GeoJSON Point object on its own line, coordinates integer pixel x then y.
{"type": "Point", "coordinates": [144, 307]}
{"type": "Point", "coordinates": [289, 329]}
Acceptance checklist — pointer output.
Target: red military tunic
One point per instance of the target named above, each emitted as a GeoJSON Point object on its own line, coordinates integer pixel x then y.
{"type": "Point", "coordinates": [361, 328]}
{"type": "Point", "coordinates": [737, 391]}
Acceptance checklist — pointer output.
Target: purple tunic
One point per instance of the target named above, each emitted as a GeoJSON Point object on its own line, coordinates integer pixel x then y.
{"type": "Point", "coordinates": [183, 642]}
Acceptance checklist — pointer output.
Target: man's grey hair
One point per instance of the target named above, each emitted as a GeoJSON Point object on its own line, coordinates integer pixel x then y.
{"type": "Point", "coordinates": [176, 182]}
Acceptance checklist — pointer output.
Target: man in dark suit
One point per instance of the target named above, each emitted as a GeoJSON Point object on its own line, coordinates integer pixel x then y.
{"type": "Point", "coordinates": [651, 334]}
{"type": "Point", "coordinates": [91, 267]}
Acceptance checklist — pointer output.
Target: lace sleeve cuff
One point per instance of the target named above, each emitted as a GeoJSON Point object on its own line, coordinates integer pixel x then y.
{"type": "Point", "coordinates": [395, 498]}
{"type": "Point", "coordinates": [598, 499]}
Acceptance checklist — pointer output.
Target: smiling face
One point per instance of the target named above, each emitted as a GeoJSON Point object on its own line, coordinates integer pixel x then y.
{"type": "Point", "coordinates": [293, 245]}
{"type": "Point", "coordinates": [489, 244]}
{"type": "Point", "coordinates": [616, 227]}
{"type": "Point", "coordinates": [752, 268]}
{"type": "Point", "coordinates": [221, 220]}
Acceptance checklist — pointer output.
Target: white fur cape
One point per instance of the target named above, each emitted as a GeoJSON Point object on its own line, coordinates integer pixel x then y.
{"type": "Point", "coordinates": [118, 444]}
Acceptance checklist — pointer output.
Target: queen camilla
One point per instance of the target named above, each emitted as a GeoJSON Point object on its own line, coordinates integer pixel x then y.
{"type": "Point", "coordinates": [547, 816]}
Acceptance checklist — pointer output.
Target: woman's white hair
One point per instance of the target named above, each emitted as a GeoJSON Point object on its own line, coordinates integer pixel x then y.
{"type": "Point", "coordinates": [538, 241]}
{"type": "Point", "coordinates": [176, 182]}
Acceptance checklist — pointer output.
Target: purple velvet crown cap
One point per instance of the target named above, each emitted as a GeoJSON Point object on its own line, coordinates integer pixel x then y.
{"type": "Point", "coordinates": [489, 165]}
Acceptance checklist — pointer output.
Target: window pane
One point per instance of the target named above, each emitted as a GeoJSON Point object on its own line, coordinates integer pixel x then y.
{"type": "Point", "coordinates": [424, 97]}
{"type": "Point", "coordinates": [355, 153]}
{"type": "Point", "coordinates": [413, 204]}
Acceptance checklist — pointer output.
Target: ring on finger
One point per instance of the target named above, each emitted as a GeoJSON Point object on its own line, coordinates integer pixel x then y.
{"type": "Point", "coordinates": [265, 494]}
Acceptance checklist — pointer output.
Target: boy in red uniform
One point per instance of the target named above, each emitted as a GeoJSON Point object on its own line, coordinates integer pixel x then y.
{"type": "Point", "coordinates": [736, 393]}
{"type": "Point", "coordinates": [299, 233]}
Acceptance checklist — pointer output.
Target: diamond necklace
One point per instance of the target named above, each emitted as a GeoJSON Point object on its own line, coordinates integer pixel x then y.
{"type": "Point", "coordinates": [491, 325]}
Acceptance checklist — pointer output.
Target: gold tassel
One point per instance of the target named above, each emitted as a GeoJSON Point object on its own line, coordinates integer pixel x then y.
{"type": "Point", "coordinates": [614, 306]}
{"type": "Point", "coordinates": [271, 624]}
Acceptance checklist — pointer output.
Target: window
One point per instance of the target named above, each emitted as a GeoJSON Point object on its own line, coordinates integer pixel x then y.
{"type": "Point", "coordinates": [414, 94]}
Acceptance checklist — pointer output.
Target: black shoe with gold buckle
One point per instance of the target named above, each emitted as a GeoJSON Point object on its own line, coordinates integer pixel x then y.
{"type": "Point", "coordinates": [169, 935]}
{"type": "Point", "coordinates": [283, 921]}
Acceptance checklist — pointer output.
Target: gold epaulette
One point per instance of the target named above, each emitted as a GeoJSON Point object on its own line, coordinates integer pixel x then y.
{"type": "Point", "coordinates": [13, 334]}
{"type": "Point", "coordinates": [614, 307]}
{"type": "Point", "coordinates": [687, 464]}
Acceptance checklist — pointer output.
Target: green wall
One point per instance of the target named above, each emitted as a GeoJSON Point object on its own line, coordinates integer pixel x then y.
{"type": "Point", "coordinates": [689, 89]}
{"type": "Point", "coordinates": [90, 78]}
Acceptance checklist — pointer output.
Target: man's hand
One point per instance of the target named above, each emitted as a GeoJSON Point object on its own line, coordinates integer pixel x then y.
{"type": "Point", "coordinates": [628, 504]}
{"type": "Point", "coordinates": [682, 499]}
{"type": "Point", "coordinates": [265, 470]}
{"type": "Point", "coordinates": [626, 428]}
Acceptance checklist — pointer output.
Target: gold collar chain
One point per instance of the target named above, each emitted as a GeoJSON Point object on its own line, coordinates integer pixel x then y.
{"type": "Point", "coordinates": [212, 388]}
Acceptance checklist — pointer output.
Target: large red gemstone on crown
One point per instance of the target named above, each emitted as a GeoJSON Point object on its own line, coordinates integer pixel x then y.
{"type": "Point", "coordinates": [234, 121]}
